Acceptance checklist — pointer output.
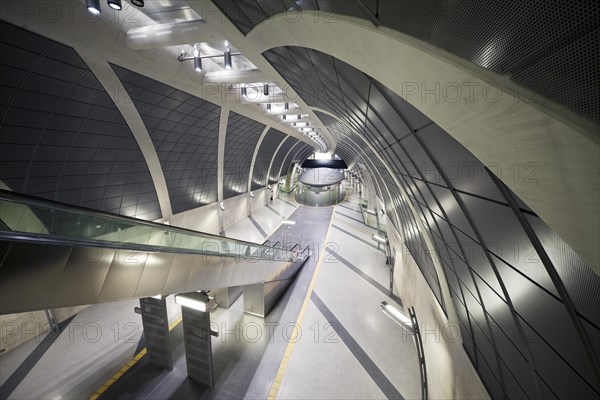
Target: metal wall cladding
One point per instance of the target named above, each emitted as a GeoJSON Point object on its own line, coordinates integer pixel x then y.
{"type": "Point", "coordinates": [185, 132]}
{"type": "Point", "coordinates": [277, 165]}
{"type": "Point", "coordinates": [61, 135]}
{"type": "Point", "coordinates": [485, 238]}
{"type": "Point", "coordinates": [240, 142]}
{"type": "Point", "coordinates": [552, 48]}
{"type": "Point", "coordinates": [264, 157]}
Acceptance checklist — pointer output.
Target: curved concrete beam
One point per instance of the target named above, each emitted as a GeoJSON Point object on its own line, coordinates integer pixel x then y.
{"type": "Point", "coordinates": [117, 93]}
{"type": "Point", "coordinates": [273, 158]}
{"type": "Point", "coordinates": [251, 173]}
{"type": "Point", "coordinates": [496, 120]}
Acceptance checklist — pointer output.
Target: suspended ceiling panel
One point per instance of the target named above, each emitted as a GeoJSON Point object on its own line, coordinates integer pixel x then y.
{"type": "Point", "coordinates": [240, 142]}
{"type": "Point", "coordinates": [61, 135]}
{"type": "Point", "coordinates": [264, 157]}
{"type": "Point", "coordinates": [551, 47]}
{"type": "Point", "coordinates": [185, 132]}
{"type": "Point", "coordinates": [276, 169]}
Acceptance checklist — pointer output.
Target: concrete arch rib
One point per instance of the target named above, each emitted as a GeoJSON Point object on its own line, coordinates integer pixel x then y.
{"type": "Point", "coordinates": [116, 91]}
{"type": "Point", "coordinates": [509, 131]}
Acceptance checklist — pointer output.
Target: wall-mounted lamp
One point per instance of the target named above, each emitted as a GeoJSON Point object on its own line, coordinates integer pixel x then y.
{"type": "Point", "coordinates": [398, 316]}
{"type": "Point", "coordinates": [380, 239]}
{"type": "Point", "coordinates": [381, 211]}
{"type": "Point", "coordinates": [252, 194]}
{"type": "Point", "coordinates": [244, 91]}
{"type": "Point", "coordinates": [286, 106]}
{"type": "Point", "coordinates": [222, 206]}
{"type": "Point", "coordinates": [193, 300]}
{"type": "Point", "coordinates": [411, 325]}
{"type": "Point", "coordinates": [266, 89]}
{"type": "Point", "coordinates": [370, 212]}
{"type": "Point", "coordinates": [268, 106]}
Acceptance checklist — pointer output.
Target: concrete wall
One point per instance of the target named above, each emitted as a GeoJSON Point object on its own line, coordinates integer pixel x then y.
{"type": "Point", "coordinates": [236, 209]}
{"type": "Point", "coordinates": [261, 198]}
{"type": "Point", "coordinates": [450, 373]}
{"type": "Point", "coordinates": [203, 219]}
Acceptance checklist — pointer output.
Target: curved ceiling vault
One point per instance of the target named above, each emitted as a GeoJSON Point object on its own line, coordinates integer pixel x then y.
{"type": "Point", "coordinates": [553, 150]}
{"type": "Point", "coordinates": [61, 135]}
{"type": "Point", "coordinates": [474, 222]}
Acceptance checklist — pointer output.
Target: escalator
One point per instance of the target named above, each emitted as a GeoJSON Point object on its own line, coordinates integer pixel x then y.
{"type": "Point", "coordinates": [56, 255]}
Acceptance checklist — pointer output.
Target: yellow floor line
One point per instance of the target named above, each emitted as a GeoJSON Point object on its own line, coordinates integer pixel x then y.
{"type": "Point", "coordinates": [292, 341]}
{"type": "Point", "coordinates": [127, 366]}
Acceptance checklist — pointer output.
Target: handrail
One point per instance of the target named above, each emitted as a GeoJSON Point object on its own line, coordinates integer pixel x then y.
{"type": "Point", "coordinates": [52, 222]}
{"type": "Point", "coordinates": [292, 189]}
{"type": "Point", "coordinates": [294, 246]}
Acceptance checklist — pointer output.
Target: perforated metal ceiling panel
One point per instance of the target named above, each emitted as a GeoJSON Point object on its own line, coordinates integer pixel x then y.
{"type": "Point", "coordinates": [280, 158]}
{"type": "Point", "coordinates": [551, 47]}
{"type": "Point", "coordinates": [61, 135]}
{"type": "Point", "coordinates": [240, 142]}
{"type": "Point", "coordinates": [507, 301]}
{"type": "Point", "coordinates": [264, 157]}
{"type": "Point", "coordinates": [185, 132]}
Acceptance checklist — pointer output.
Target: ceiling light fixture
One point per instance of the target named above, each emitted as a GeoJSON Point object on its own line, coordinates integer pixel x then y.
{"type": "Point", "coordinates": [286, 106]}
{"type": "Point", "coordinates": [227, 56]}
{"type": "Point", "coordinates": [115, 4]}
{"type": "Point", "coordinates": [197, 58]}
{"type": "Point", "coordinates": [266, 89]}
{"type": "Point", "coordinates": [93, 6]}
{"type": "Point", "coordinates": [137, 3]}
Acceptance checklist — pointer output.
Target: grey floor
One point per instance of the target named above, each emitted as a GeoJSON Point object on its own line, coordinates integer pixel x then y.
{"type": "Point", "coordinates": [347, 348]}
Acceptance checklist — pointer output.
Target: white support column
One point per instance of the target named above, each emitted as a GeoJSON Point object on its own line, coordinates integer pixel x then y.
{"type": "Point", "coordinates": [262, 136]}
{"type": "Point", "coordinates": [223, 121]}
{"type": "Point", "coordinates": [117, 92]}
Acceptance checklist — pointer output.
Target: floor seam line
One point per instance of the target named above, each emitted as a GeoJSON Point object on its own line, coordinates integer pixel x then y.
{"type": "Point", "coordinates": [357, 238]}
{"type": "Point", "coordinates": [376, 374]}
{"type": "Point", "coordinates": [260, 229]}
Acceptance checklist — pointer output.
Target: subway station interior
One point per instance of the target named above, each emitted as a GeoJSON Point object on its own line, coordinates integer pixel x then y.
{"type": "Point", "coordinates": [299, 199]}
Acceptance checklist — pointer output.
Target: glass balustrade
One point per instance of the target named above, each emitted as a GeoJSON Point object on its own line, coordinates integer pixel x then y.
{"type": "Point", "coordinates": [33, 219]}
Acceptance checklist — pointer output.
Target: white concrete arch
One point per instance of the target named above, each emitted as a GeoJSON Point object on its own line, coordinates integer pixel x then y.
{"type": "Point", "coordinates": [501, 123]}
{"type": "Point", "coordinates": [115, 89]}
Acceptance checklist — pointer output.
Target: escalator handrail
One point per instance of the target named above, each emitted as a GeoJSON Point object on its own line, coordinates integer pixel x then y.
{"type": "Point", "coordinates": [33, 201]}
{"type": "Point", "coordinates": [45, 239]}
